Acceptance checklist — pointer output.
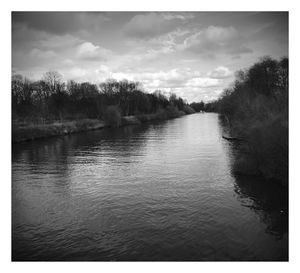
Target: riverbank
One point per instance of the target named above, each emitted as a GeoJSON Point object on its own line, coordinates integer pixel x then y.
{"type": "Point", "coordinates": [262, 148]}
{"type": "Point", "coordinates": [256, 108]}
{"type": "Point", "coordinates": [29, 131]}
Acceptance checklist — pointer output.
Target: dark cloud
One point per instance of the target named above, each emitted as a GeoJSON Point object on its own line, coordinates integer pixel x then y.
{"type": "Point", "coordinates": [216, 39]}
{"type": "Point", "coordinates": [276, 29]}
{"type": "Point", "coordinates": [150, 25]}
{"type": "Point", "coordinates": [59, 22]}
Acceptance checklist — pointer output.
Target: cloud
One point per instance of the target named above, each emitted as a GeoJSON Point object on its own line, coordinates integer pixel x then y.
{"type": "Point", "coordinates": [26, 38]}
{"type": "Point", "coordinates": [187, 83]}
{"type": "Point", "coordinates": [60, 22]}
{"type": "Point", "coordinates": [175, 15]}
{"type": "Point", "coordinates": [221, 72]}
{"type": "Point", "coordinates": [40, 54]}
{"type": "Point", "coordinates": [149, 25]}
{"type": "Point", "coordinates": [94, 74]}
{"type": "Point", "coordinates": [90, 52]}
{"type": "Point", "coordinates": [202, 82]}
{"type": "Point", "coordinates": [155, 48]}
{"type": "Point", "coordinates": [58, 41]}
{"type": "Point", "coordinates": [186, 53]}
{"type": "Point", "coordinates": [215, 40]}
{"type": "Point", "coordinates": [170, 78]}
{"type": "Point", "coordinates": [154, 80]}
{"type": "Point", "coordinates": [121, 76]}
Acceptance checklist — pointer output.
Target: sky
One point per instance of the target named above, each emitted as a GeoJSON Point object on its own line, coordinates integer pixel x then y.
{"type": "Point", "coordinates": [192, 54]}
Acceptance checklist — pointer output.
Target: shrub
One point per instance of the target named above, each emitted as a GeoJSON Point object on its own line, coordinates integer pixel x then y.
{"type": "Point", "coordinates": [173, 111]}
{"type": "Point", "coordinates": [188, 109]}
{"type": "Point", "coordinates": [161, 114]}
{"type": "Point", "coordinates": [256, 108]}
{"type": "Point", "coordinates": [112, 116]}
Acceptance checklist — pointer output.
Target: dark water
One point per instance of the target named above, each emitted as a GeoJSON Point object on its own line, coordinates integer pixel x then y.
{"type": "Point", "coordinates": [162, 191]}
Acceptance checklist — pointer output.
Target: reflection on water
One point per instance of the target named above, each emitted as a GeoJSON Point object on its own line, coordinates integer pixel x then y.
{"type": "Point", "coordinates": [162, 191]}
{"type": "Point", "coordinates": [268, 200]}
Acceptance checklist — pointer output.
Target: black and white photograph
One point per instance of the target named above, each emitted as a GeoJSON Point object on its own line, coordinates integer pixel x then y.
{"type": "Point", "coordinates": [149, 136]}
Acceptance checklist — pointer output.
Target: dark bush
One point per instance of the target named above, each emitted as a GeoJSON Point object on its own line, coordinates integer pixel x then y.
{"type": "Point", "coordinates": [188, 109]}
{"type": "Point", "coordinates": [112, 116]}
{"type": "Point", "coordinates": [256, 108]}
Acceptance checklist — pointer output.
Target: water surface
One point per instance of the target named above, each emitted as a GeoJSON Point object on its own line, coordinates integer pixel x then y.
{"type": "Point", "coordinates": [161, 191]}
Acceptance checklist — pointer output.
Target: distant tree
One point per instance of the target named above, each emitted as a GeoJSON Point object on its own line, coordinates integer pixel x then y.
{"type": "Point", "coordinates": [198, 106]}
{"type": "Point", "coordinates": [51, 98]}
{"type": "Point", "coordinates": [176, 101]}
{"type": "Point", "coordinates": [53, 81]}
{"type": "Point", "coordinates": [17, 83]}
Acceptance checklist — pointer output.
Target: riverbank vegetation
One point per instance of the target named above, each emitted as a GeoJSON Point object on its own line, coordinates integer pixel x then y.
{"type": "Point", "coordinates": [50, 106]}
{"type": "Point", "coordinates": [255, 108]}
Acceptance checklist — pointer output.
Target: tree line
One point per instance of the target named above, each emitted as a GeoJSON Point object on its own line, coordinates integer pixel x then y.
{"type": "Point", "coordinates": [258, 91]}
{"type": "Point", "coordinates": [266, 80]}
{"type": "Point", "coordinates": [51, 99]}
{"type": "Point", "coordinates": [256, 109]}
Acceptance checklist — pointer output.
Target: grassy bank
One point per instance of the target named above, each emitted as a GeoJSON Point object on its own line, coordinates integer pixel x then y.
{"type": "Point", "coordinates": [30, 131]}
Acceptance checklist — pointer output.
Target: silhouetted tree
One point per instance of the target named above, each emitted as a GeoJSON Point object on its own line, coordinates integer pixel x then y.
{"type": "Point", "coordinates": [50, 98]}
{"type": "Point", "coordinates": [53, 82]}
{"type": "Point", "coordinates": [257, 108]}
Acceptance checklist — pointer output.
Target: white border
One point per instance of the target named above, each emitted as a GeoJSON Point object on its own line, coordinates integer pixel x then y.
{"type": "Point", "coordinates": [156, 5]}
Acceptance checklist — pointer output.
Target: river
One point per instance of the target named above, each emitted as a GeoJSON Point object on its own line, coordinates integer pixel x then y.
{"type": "Point", "coordinates": [159, 191]}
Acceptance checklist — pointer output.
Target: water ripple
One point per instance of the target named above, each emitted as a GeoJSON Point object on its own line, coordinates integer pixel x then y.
{"type": "Point", "coordinates": [161, 191]}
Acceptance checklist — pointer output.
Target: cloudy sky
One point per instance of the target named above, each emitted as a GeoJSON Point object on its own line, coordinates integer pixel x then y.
{"type": "Point", "coordinates": [192, 54]}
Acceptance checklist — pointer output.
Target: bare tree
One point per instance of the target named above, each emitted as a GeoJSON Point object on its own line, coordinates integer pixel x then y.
{"type": "Point", "coordinates": [53, 80]}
